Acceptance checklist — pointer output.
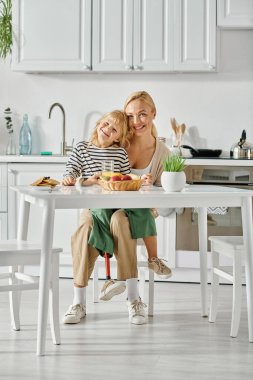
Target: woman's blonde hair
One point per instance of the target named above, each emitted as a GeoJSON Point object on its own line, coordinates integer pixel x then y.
{"type": "Point", "coordinates": [119, 118]}
{"type": "Point", "coordinates": [146, 98]}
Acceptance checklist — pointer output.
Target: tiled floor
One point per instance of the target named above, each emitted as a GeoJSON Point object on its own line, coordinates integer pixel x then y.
{"type": "Point", "coordinates": [176, 343]}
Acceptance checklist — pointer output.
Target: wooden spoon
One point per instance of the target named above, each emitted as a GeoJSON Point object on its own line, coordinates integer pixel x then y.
{"type": "Point", "coordinates": [174, 125]}
{"type": "Point", "coordinates": [183, 128]}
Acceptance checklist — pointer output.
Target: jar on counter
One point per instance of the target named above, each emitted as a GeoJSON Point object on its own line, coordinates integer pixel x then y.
{"type": "Point", "coordinates": [25, 137]}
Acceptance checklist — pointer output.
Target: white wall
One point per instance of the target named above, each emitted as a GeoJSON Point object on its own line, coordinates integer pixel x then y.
{"type": "Point", "coordinates": [215, 107]}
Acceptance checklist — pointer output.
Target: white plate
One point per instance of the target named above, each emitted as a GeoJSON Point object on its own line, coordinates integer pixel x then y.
{"type": "Point", "coordinates": [43, 188]}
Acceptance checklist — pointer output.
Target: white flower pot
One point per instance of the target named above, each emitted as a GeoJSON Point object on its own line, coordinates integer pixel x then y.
{"type": "Point", "coordinates": [173, 181]}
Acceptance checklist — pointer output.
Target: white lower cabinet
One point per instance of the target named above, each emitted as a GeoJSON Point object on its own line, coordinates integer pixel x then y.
{"type": "Point", "coordinates": [3, 201]}
{"type": "Point", "coordinates": [66, 221]}
{"type": "Point", "coordinates": [3, 226]}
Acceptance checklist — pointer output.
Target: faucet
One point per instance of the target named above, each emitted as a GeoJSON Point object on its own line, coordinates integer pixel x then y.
{"type": "Point", "coordinates": [64, 147]}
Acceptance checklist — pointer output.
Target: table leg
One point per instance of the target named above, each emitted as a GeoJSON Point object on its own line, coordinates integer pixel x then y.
{"type": "Point", "coordinates": [45, 273]}
{"type": "Point", "coordinates": [248, 244]}
{"type": "Point", "coordinates": [23, 218]}
{"type": "Point", "coordinates": [202, 229]}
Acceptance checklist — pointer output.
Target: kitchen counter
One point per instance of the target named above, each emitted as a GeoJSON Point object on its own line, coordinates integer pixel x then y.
{"type": "Point", "coordinates": [221, 161]}
{"type": "Point", "coordinates": [57, 159]}
{"type": "Point", "coordinates": [36, 158]}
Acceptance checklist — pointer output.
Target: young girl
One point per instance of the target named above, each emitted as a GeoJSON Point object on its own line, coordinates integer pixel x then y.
{"type": "Point", "coordinates": [107, 143]}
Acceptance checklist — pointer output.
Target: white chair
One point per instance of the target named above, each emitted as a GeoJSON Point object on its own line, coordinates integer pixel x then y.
{"type": "Point", "coordinates": [16, 254]}
{"type": "Point", "coordinates": [232, 247]}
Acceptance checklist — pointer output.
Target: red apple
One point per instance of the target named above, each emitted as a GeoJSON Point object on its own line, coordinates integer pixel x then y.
{"type": "Point", "coordinates": [116, 178]}
{"type": "Point", "coordinates": [126, 177]}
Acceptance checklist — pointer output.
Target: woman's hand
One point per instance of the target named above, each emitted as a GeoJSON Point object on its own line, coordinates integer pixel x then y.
{"type": "Point", "coordinates": [147, 179]}
{"type": "Point", "coordinates": [69, 181]}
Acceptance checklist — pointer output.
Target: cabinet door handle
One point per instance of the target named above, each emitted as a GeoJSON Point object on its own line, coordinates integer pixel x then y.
{"type": "Point", "coordinates": [11, 171]}
{"type": "Point", "coordinates": [136, 67]}
{"type": "Point", "coordinates": [128, 67]}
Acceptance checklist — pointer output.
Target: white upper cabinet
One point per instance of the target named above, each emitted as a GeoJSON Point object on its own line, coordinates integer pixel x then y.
{"type": "Point", "coordinates": [235, 14]}
{"type": "Point", "coordinates": [153, 35]}
{"type": "Point", "coordinates": [114, 35]}
{"type": "Point", "coordinates": [195, 35]}
{"type": "Point", "coordinates": [132, 35]}
{"type": "Point", "coordinates": [51, 35]}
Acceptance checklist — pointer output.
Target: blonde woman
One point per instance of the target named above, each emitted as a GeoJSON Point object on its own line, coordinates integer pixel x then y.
{"type": "Point", "coordinates": [146, 153]}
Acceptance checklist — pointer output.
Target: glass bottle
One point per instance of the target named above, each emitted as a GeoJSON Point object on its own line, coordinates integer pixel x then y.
{"type": "Point", "coordinates": [25, 137]}
{"type": "Point", "coordinates": [11, 146]}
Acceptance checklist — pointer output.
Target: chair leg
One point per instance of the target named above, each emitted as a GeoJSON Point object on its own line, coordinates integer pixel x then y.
{"type": "Point", "coordinates": [54, 301]}
{"type": "Point", "coordinates": [142, 272]}
{"type": "Point", "coordinates": [237, 295]}
{"type": "Point", "coordinates": [151, 293]}
{"type": "Point", "coordinates": [214, 288]}
{"type": "Point", "coordinates": [14, 300]}
{"type": "Point", "coordinates": [95, 282]}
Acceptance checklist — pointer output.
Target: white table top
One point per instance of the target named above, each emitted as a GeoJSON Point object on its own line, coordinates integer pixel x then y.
{"type": "Point", "coordinates": [148, 196]}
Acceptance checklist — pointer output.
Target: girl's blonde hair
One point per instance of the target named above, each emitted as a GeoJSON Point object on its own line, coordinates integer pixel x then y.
{"type": "Point", "coordinates": [119, 118]}
{"type": "Point", "coordinates": [146, 98]}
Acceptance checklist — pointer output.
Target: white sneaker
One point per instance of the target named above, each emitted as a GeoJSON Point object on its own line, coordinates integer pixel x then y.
{"type": "Point", "coordinates": [137, 314]}
{"type": "Point", "coordinates": [74, 314]}
{"type": "Point", "coordinates": [110, 289]}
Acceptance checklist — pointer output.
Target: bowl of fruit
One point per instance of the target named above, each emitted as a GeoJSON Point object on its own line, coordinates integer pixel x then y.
{"type": "Point", "coordinates": [120, 182]}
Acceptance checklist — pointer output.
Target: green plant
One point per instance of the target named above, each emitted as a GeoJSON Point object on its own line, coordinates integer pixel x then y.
{"type": "Point", "coordinates": [173, 163]}
{"type": "Point", "coordinates": [5, 28]}
{"type": "Point", "coordinates": [8, 119]}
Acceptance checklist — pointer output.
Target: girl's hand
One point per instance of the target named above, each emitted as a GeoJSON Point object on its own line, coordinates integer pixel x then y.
{"type": "Point", "coordinates": [69, 181]}
{"type": "Point", "coordinates": [147, 179]}
{"type": "Point", "coordinates": [92, 180]}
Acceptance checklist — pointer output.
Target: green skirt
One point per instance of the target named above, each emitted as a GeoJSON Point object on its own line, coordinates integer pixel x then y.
{"type": "Point", "coordinates": [141, 220]}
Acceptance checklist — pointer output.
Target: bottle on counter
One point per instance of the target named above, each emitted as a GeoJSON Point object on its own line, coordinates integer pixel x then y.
{"type": "Point", "coordinates": [25, 137]}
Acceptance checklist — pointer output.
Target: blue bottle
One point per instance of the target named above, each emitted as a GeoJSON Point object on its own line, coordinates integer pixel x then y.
{"type": "Point", "coordinates": [25, 137]}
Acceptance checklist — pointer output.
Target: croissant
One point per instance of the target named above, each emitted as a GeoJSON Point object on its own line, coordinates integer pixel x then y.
{"type": "Point", "coordinates": [45, 181]}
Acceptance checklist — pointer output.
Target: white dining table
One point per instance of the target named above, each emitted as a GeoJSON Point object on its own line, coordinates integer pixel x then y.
{"type": "Point", "coordinates": [198, 196]}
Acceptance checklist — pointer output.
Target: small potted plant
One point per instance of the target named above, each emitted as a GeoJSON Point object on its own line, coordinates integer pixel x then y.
{"type": "Point", "coordinates": [173, 177]}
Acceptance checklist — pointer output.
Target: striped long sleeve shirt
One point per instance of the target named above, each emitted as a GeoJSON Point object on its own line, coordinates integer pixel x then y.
{"type": "Point", "coordinates": [86, 159]}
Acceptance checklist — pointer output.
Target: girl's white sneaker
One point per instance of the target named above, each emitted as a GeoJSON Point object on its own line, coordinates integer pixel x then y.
{"type": "Point", "coordinates": [111, 288]}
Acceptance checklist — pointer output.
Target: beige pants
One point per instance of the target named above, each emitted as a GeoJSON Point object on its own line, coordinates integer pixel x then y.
{"type": "Point", "coordinates": [84, 256]}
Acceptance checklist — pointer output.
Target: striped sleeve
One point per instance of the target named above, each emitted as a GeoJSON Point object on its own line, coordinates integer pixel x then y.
{"type": "Point", "coordinates": [75, 163]}
{"type": "Point", "coordinates": [125, 165]}
{"type": "Point", "coordinates": [86, 159]}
